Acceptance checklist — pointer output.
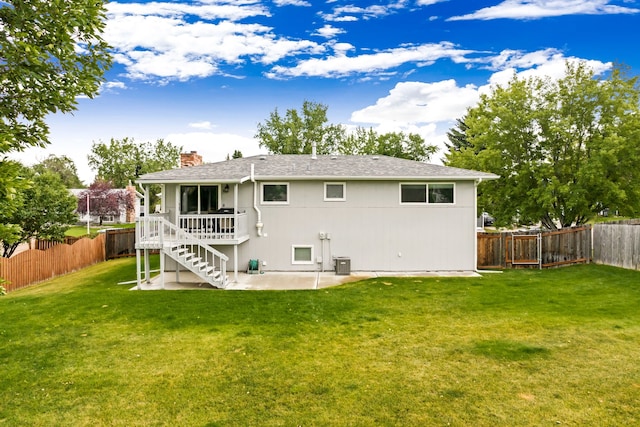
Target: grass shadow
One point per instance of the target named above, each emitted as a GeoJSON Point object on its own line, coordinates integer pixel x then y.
{"type": "Point", "coordinates": [506, 350]}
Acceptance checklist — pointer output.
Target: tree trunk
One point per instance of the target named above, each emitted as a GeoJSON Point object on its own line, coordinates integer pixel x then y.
{"type": "Point", "coordinates": [8, 250]}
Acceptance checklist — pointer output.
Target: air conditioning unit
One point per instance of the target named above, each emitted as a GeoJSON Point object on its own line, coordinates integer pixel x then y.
{"type": "Point", "coordinates": [343, 266]}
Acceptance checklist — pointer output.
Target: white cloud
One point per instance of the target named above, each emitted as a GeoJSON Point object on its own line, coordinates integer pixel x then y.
{"type": "Point", "coordinates": [156, 41]}
{"type": "Point", "coordinates": [419, 103]}
{"type": "Point", "coordinates": [114, 85]}
{"type": "Point", "coordinates": [429, 2]}
{"type": "Point", "coordinates": [214, 147]}
{"type": "Point", "coordinates": [543, 63]}
{"type": "Point", "coordinates": [341, 49]}
{"type": "Point", "coordinates": [201, 125]}
{"type": "Point", "coordinates": [223, 10]}
{"type": "Point", "coordinates": [356, 13]}
{"type": "Point", "coordinates": [341, 65]}
{"type": "Point", "coordinates": [302, 3]}
{"type": "Point", "coordinates": [328, 31]}
{"type": "Point", "coordinates": [534, 9]}
{"type": "Point", "coordinates": [426, 109]}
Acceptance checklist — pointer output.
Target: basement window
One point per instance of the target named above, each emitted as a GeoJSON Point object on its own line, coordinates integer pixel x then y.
{"type": "Point", "coordinates": [302, 254]}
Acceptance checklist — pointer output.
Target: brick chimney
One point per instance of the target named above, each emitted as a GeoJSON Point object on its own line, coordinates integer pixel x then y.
{"type": "Point", "coordinates": [190, 159]}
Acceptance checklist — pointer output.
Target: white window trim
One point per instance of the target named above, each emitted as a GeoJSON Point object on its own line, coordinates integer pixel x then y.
{"type": "Point", "coordinates": [426, 193]}
{"type": "Point", "coordinates": [198, 186]}
{"type": "Point", "coordinates": [267, 202]}
{"type": "Point", "coordinates": [426, 188]}
{"type": "Point", "coordinates": [335, 199]}
{"type": "Point", "coordinates": [443, 204]}
{"type": "Point", "coordinates": [293, 255]}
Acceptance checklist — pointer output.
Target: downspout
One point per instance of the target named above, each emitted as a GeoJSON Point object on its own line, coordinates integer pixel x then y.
{"type": "Point", "coordinates": [259, 223]}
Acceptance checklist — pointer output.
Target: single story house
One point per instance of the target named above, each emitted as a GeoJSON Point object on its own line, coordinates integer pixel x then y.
{"type": "Point", "coordinates": [302, 212]}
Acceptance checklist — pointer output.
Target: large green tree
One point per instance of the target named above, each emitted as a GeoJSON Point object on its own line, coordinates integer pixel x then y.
{"type": "Point", "coordinates": [565, 149]}
{"type": "Point", "coordinates": [123, 160]}
{"type": "Point", "coordinates": [296, 133]}
{"type": "Point", "coordinates": [12, 184]}
{"type": "Point", "coordinates": [395, 144]}
{"type": "Point", "coordinates": [45, 210]}
{"type": "Point", "coordinates": [51, 52]}
{"type": "Point", "coordinates": [62, 166]}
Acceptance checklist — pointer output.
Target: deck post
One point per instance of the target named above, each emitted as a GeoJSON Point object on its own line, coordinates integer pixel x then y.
{"type": "Point", "coordinates": [138, 267]}
{"type": "Point", "coordinates": [162, 256]}
{"type": "Point", "coordinates": [235, 263]}
{"type": "Point", "coordinates": [235, 211]}
{"type": "Point", "coordinates": [147, 268]}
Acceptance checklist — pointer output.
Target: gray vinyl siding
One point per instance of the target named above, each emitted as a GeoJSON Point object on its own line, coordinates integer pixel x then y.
{"type": "Point", "coordinates": [371, 227]}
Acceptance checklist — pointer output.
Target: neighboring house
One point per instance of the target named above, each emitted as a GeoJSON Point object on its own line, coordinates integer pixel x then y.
{"type": "Point", "coordinates": [124, 215]}
{"type": "Point", "coordinates": [300, 212]}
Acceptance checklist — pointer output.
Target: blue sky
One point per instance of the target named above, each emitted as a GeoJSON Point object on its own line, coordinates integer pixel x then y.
{"type": "Point", "coordinates": [203, 74]}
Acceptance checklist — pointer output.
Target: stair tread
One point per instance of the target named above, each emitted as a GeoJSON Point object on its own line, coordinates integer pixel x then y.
{"type": "Point", "coordinates": [181, 252]}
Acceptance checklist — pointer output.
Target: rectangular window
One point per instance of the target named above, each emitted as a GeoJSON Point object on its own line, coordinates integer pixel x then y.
{"type": "Point", "coordinates": [275, 193]}
{"type": "Point", "coordinates": [198, 199]}
{"type": "Point", "coordinates": [189, 199]}
{"type": "Point", "coordinates": [335, 191]}
{"type": "Point", "coordinates": [208, 199]}
{"type": "Point", "coordinates": [436, 193]}
{"type": "Point", "coordinates": [441, 193]}
{"type": "Point", "coordinates": [302, 254]}
{"type": "Point", "coordinates": [413, 193]}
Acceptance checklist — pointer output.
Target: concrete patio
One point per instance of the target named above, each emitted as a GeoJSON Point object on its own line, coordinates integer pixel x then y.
{"type": "Point", "coordinates": [287, 280]}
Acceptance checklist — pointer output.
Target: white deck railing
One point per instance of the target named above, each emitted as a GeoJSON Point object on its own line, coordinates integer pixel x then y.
{"type": "Point", "coordinates": [215, 226]}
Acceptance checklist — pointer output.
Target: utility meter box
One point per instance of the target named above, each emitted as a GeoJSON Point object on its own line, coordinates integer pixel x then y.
{"type": "Point", "coordinates": [343, 266]}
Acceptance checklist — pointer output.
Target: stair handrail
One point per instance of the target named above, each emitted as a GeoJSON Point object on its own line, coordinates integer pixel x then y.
{"type": "Point", "coordinates": [160, 228]}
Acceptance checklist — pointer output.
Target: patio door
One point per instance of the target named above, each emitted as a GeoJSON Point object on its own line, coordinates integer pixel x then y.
{"type": "Point", "coordinates": [198, 199]}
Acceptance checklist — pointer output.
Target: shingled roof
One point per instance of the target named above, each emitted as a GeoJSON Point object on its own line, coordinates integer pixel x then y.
{"type": "Point", "coordinates": [304, 167]}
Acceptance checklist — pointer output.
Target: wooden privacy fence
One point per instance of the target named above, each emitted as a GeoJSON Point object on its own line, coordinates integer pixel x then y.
{"type": "Point", "coordinates": [539, 249]}
{"type": "Point", "coordinates": [35, 265]}
{"type": "Point", "coordinates": [46, 244]}
{"type": "Point", "coordinates": [617, 244]}
{"type": "Point", "coordinates": [120, 243]}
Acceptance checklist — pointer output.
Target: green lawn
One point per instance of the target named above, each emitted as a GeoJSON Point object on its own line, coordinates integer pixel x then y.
{"type": "Point", "coordinates": [522, 348]}
{"type": "Point", "coordinates": [81, 230]}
